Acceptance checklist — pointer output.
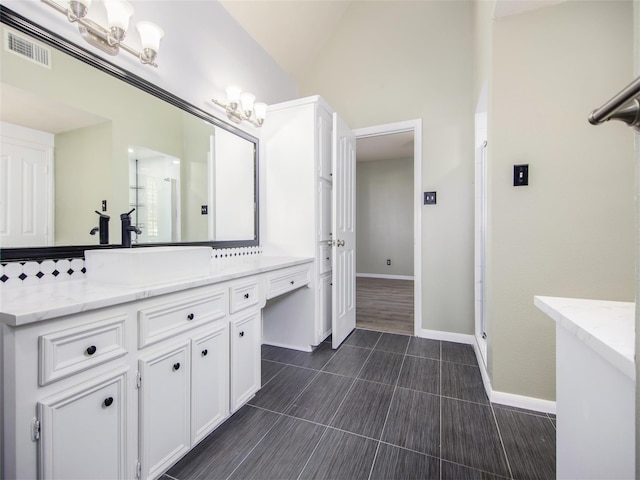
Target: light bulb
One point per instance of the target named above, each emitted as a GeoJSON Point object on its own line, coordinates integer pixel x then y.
{"type": "Point", "coordinates": [247, 99]}
{"type": "Point", "coordinates": [150, 36]}
{"type": "Point", "coordinates": [118, 13]}
{"type": "Point", "coordinates": [233, 95]}
{"type": "Point", "coordinates": [260, 110]}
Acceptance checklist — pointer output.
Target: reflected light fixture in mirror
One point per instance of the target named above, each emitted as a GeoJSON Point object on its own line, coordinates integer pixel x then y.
{"type": "Point", "coordinates": [109, 40]}
{"type": "Point", "coordinates": [241, 107]}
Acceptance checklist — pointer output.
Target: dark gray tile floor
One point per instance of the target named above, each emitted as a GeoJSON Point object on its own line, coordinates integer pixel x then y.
{"type": "Point", "coordinates": [383, 406]}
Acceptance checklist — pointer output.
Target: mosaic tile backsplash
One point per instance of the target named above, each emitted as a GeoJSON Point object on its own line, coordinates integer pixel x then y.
{"type": "Point", "coordinates": [26, 273]}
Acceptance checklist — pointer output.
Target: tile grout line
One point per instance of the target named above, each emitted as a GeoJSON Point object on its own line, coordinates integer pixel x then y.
{"type": "Point", "coordinates": [504, 450]}
{"type": "Point", "coordinates": [256, 445]}
{"type": "Point", "coordinates": [386, 418]}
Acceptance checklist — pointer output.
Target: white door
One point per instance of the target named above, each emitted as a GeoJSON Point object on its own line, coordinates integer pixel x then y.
{"type": "Point", "coordinates": [344, 232]}
{"type": "Point", "coordinates": [26, 206]}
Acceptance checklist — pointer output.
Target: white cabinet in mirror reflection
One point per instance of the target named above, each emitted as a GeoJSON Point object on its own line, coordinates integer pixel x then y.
{"type": "Point", "coordinates": [232, 187]}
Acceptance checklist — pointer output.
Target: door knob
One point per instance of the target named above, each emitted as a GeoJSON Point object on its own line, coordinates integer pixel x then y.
{"type": "Point", "coordinates": [341, 243]}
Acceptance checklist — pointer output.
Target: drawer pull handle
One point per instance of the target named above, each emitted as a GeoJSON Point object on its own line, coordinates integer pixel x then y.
{"type": "Point", "coordinates": [204, 352]}
{"type": "Point", "coordinates": [176, 366]}
{"type": "Point", "coordinates": [91, 350]}
{"type": "Point", "coordinates": [241, 333]}
{"type": "Point", "coordinates": [246, 295]}
{"type": "Point", "coordinates": [328, 258]}
{"type": "Point", "coordinates": [191, 316]}
{"type": "Point", "coordinates": [108, 401]}
{"type": "Point", "coordinates": [291, 282]}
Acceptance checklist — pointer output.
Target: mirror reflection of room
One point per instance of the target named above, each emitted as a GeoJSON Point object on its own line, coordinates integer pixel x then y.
{"type": "Point", "coordinates": [85, 167]}
{"type": "Point", "coordinates": [154, 193]}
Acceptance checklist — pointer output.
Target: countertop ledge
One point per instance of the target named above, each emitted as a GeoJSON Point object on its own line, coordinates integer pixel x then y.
{"type": "Point", "coordinates": [607, 327]}
{"type": "Point", "coordinates": [22, 305]}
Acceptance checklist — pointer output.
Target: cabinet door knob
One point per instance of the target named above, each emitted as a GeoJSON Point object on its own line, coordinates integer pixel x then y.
{"type": "Point", "coordinates": [176, 366]}
{"type": "Point", "coordinates": [241, 333]}
{"type": "Point", "coordinates": [292, 282]}
{"type": "Point", "coordinates": [204, 352]}
{"type": "Point", "coordinates": [91, 350]}
{"type": "Point", "coordinates": [191, 316]}
{"type": "Point", "coordinates": [246, 295]}
{"type": "Point", "coordinates": [108, 401]}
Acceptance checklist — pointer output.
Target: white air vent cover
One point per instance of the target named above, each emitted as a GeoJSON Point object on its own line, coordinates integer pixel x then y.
{"type": "Point", "coordinates": [27, 48]}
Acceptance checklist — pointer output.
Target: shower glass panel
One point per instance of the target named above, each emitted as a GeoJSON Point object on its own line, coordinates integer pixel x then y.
{"type": "Point", "coordinates": [154, 192]}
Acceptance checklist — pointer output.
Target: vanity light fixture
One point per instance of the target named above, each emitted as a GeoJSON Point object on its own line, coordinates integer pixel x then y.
{"type": "Point", "coordinates": [241, 106]}
{"type": "Point", "coordinates": [110, 40]}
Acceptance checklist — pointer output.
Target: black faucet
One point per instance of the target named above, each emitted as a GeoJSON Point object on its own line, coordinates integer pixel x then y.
{"type": "Point", "coordinates": [127, 228]}
{"type": "Point", "coordinates": [103, 228]}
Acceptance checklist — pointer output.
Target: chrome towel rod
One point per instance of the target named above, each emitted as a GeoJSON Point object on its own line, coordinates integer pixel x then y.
{"type": "Point", "coordinates": [624, 106]}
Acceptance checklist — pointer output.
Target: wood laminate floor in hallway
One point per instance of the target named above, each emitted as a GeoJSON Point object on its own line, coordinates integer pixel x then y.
{"type": "Point", "coordinates": [384, 304]}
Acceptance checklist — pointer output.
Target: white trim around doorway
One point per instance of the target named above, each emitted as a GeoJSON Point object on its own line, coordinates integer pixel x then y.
{"type": "Point", "coordinates": [416, 127]}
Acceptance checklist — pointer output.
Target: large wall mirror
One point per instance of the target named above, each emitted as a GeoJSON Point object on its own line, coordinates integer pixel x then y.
{"type": "Point", "coordinates": [88, 140]}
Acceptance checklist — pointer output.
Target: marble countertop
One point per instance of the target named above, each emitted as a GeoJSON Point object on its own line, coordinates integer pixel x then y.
{"type": "Point", "coordinates": [607, 327]}
{"type": "Point", "coordinates": [21, 305]}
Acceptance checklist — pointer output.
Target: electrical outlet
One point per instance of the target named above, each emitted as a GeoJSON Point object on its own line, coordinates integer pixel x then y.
{"type": "Point", "coordinates": [388, 261]}
{"type": "Point", "coordinates": [429, 198]}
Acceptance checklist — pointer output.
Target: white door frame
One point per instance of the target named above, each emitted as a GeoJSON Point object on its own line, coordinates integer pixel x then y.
{"type": "Point", "coordinates": [416, 127]}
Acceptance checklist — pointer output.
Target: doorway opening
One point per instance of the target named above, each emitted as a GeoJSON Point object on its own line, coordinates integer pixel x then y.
{"type": "Point", "coordinates": [388, 226]}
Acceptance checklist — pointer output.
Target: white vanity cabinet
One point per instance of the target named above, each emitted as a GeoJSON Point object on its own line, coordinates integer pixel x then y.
{"type": "Point", "coordinates": [126, 386]}
{"type": "Point", "coordinates": [84, 434]}
{"type": "Point", "coordinates": [165, 408]}
{"type": "Point", "coordinates": [209, 380]}
{"type": "Point", "coordinates": [297, 142]}
{"type": "Point", "coordinates": [245, 358]}
{"type": "Point", "coordinates": [245, 302]}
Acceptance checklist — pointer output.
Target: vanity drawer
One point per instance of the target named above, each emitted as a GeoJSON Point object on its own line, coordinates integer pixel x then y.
{"type": "Point", "coordinates": [243, 295]}
{"type": "Point", "coordinates": [162, 321]}
{"type": "Point", "coordinates": [325, 259]}
{"type": "Point", "coordinates": [283, 281]}
{"type": "Point", "coordinates": [76, 349]}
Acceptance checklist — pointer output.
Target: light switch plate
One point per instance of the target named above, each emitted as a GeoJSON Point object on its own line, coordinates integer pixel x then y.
{"type": "Point", "coordinates": [520, 175]}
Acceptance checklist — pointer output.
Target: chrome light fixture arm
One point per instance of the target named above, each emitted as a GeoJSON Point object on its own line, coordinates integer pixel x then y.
{"type": "Point", "coordinates": [107, 40]}
{"type": "Point", "coordinates": [236, 115]}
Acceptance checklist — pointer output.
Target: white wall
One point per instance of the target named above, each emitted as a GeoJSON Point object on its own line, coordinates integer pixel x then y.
{"type": "Point", "coordinates": [571, 231]}
{"type": "Point", "coordinates": [384, 217]}
{"type": "Point", "coordinates": [204, 50]}
{"type": "Point", "coordinates": [394, 61]}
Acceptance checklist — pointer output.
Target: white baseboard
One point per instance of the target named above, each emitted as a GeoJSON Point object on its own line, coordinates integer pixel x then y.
{"type": "Point", "coordinates": [510, 399]}
{"type": "Point", "coordinates": [302, 348]}
{"type": "Point", "coordinates": [446, 336]}
{"type": "Point", "coordinates": [381, 275]}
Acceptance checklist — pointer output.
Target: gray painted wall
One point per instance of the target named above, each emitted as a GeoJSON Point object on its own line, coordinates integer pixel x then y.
{"type": "Point", "coordinates": [384, 217]}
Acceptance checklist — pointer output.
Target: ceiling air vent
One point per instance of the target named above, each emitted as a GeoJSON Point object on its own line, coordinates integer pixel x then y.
{"type": "Point", "coordinates": [28, 49]}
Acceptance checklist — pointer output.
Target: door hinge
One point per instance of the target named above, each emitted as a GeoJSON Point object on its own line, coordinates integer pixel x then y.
{"type": "Point", "coordinates": [138, 470]}
{"type": "Point", "coordinates": [138, 380]}
{"type": "Point", "coordinates": [35, 429]}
